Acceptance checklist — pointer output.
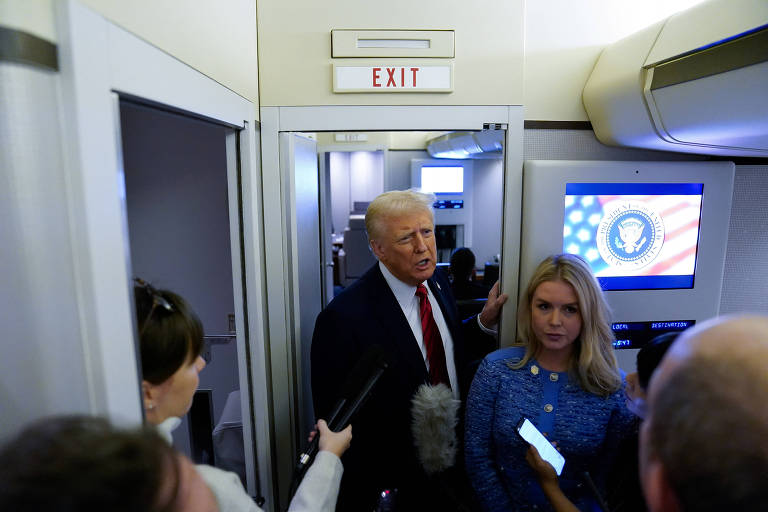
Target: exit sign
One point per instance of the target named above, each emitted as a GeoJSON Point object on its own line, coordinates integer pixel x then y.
{"type": "Point", "coordinates": [389, 78]}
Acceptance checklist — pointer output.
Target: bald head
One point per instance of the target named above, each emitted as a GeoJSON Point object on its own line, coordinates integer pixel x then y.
{"type": "Point", "coordinates": [703, 445]}
{"type": "Point", "coordinates": [729, 340]}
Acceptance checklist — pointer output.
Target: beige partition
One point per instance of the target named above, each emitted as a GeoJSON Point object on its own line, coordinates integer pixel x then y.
{"type": "Point", "coordinates": [216, 38]}
{"type": "Point", "coordinates": [295, 52]}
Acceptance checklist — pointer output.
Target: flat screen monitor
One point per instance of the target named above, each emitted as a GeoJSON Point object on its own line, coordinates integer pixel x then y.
{"type": "Point", "coordinates": [442, 179]}
{"type": "Point", "coordinates": [635, 236]}
{"type": "Point", "coordinates": [677, 275]}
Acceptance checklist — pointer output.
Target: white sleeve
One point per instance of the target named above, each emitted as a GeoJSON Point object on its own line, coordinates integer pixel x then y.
{"type": "Point", "coordinates": [320, 487]}
{"type": "Point", "coordinates": [228, 490]}
{"type": "Point", "coordinates": [493, 331]}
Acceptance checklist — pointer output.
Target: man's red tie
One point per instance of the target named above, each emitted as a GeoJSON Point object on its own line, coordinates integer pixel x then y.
{"type": "Point", "coordinates": [438, 371]}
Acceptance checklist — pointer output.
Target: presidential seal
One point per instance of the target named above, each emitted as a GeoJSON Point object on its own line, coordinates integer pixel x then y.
{"type": "Point", "coordinates": [630, 235]}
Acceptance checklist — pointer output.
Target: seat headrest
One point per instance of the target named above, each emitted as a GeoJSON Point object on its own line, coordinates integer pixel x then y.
{"type": "Point", "coordinates": [357, 221]}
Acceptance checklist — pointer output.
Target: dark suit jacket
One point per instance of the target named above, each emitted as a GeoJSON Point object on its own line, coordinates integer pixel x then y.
{"type": "Point", "coordinates": [382, 454]}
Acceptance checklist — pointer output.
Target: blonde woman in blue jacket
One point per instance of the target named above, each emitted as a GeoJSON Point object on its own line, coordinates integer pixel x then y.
{"type": "Point", "coordinates": [564, 379]}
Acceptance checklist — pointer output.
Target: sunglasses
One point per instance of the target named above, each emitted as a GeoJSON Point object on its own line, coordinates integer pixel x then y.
{"type": "Point", "coordinates": [157, 301]}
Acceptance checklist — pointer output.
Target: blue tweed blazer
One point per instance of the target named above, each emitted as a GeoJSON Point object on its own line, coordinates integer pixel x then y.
{"type": "Point", "coordinates": [587, 428]}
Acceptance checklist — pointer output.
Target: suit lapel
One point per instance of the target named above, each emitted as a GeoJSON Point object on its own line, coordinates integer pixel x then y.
{"type": "Point", "coordinates": [394, 328]}
{"type": "Point", "coordinates": [441, 294]}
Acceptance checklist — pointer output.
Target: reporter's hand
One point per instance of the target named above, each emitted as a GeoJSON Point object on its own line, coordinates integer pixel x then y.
{"type": "Point", "coordinates": [334, 442]}
{"type": "Point", "coordinates": [491, 312]}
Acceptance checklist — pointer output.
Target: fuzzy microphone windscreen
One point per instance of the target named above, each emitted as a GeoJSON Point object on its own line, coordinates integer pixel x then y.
{"type": "Point", "coordinates": [434, 418]}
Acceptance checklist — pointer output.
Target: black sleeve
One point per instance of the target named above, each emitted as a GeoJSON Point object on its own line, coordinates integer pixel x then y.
{"type": "Point", "coordinates": [479, 344]}
{"type": "Point", "coordinates": [332, 355]}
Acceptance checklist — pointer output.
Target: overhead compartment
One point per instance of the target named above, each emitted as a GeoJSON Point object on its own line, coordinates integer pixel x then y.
{"type": "Point", "coordinates": [697, 82]}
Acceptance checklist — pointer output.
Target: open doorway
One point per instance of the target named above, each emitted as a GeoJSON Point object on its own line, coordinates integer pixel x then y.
{"type": "Point", "coordinates": [323, 133]}
{"type": "Point", "coordinates": [468, 189]}
{"type": "Point", "coordinates": [291, 311]}
{"type": "Point", "coordinates": [177, 210]}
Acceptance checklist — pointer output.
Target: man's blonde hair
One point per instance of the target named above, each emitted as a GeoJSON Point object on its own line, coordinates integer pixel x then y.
{"type": "Point", "coordinates": [395, 202]}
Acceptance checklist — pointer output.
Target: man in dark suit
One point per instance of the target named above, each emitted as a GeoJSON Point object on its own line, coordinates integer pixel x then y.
{"type": "Point", "coordinates": [398, 304]}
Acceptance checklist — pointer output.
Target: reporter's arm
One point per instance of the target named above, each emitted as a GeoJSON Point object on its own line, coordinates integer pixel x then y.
{"type": "Point", "coordinates": [320, 488]}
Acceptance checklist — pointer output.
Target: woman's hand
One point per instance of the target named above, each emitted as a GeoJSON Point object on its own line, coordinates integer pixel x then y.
{"type": "Point", "coordinates": [548, 481]}
{"type": "Point", "coordinates": [334, 442]}
{"type": "Point", "coordinates": [544, 471]}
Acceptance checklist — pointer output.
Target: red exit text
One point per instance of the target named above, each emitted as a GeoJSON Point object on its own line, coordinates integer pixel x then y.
{"type": "Point", "coordinates": [397, 77]}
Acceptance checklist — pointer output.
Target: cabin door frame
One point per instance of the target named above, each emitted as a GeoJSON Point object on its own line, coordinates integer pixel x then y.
{"type": "Point", "coordinates": [282, 283]}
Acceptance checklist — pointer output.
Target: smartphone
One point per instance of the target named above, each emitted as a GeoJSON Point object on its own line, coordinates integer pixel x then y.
{"type": "Point", "coordinates": [547, 452]}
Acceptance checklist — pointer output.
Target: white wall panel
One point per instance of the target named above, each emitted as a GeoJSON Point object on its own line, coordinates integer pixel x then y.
{"type": "Point", "coordinates": [295, 49]}
{"type": "Point", "coordinates": [43, 369]}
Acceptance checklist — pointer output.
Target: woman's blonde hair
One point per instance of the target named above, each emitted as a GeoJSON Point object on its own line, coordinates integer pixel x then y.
{"type": "Point", "coordinates": [593, 363]}
{"type": "Point", "coordinates": [395, 202]}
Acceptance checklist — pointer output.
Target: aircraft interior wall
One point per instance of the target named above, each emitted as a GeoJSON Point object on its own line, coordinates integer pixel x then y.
{"type": "Point", "coordinates": [38, 299]}
{"type": "Point", "coordinates": [745, 277]}
{"type": "Point", "coordinates": [42, 284]}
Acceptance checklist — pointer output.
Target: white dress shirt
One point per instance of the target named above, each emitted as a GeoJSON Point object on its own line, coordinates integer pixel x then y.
{"type": "Point", "coordinates": [409, 304]}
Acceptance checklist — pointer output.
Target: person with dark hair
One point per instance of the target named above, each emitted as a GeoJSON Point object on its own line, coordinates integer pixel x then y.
{"type": "Point", "coordinates": [703, 443]}
{"type": "Point", "coordinates": [171, 341]}
{"type": "Point", "coordinates": [463, 282]}
{"type": "Point", "coordinates": [564, 379]}
{"type": "Point", "coordinates": [82, 463]}
{"type": "Point", "coordinates": [78, 463]}
{"type": "Point", "coordinates": [648, 358]}
{"type": "Point", "coordinates": [170, 344]}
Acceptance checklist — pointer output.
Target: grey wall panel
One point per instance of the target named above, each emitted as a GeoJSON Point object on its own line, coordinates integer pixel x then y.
{"type": "Point", "coordinates": [488, 191]}
{"type": "Point", "coordinates": [746, 260]}
{"type": "Point", "coordinates": [42, 370]}
{"type": "Point", "coordinates": [338, 167]}
{"type": "Point", "coordinates": [399, 167]}
{"type": "Point", "coordinates": [308, 280]}
{"type": "Point", "coordinates": [548, 144]}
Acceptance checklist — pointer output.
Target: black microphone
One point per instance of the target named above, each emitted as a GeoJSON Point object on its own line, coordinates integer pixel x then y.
{"type": "Point", "coordinates": [354, 393]}
{"type": "Point", "coordinates": [379, 365]}
{"type": "Point", "coordinates": [592, 487]}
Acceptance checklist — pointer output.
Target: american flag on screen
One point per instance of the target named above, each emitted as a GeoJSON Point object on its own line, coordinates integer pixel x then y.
{"type": "Point", "coordinates": [633, 235]}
